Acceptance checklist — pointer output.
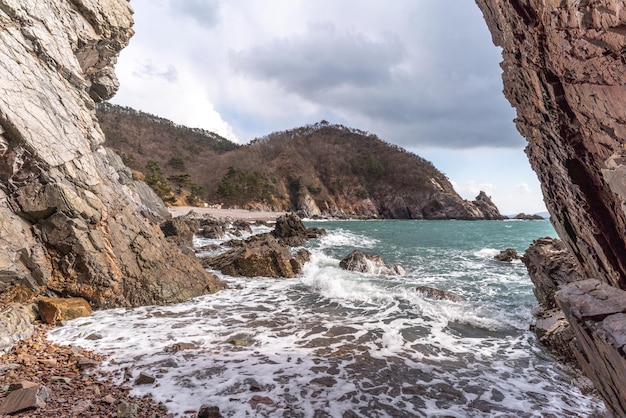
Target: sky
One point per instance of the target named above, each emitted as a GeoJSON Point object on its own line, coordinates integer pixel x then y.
{"type": "Point", "coordinates": [423, 74]}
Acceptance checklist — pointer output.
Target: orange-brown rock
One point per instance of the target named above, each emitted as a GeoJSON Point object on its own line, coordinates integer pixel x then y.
{"type": "Point", "coordinates": [564, 72]}
{"type": "Point", "coordinates": [52, 310]}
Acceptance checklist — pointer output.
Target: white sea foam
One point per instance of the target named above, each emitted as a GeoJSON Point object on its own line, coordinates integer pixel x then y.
{"type": "Point", "coordinates": [334, 341]}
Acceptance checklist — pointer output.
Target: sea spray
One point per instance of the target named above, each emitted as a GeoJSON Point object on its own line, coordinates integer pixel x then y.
{"type": "Point", "coordinates": [334, 342]}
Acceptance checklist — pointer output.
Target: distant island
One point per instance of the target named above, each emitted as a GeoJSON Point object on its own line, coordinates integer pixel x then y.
{"type": "Point", "coordinates": [319, 170]}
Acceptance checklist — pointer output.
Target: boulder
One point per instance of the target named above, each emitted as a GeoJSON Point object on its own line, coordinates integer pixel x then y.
{"type": "Point", "coordinates": [53, 310]}
{"type": "Point", "coordinates": [180, 230]}
{"type": "Point", "coordinates": [27, 399]}
{"type": "Point", "coordinates": [507, 255]}
{"type": "Point", "coordinates": [367, 263]}
{"type": "Point", "coordinates": [258, 256]}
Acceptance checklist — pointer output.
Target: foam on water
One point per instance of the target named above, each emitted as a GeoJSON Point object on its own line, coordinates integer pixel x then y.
{"type": "Point", "coordinates": [333, 342]}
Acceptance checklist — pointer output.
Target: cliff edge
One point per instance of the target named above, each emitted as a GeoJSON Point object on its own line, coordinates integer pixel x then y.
{"type": "Point", "coordinates": [72, 224]}
{"type": "Point", "coordinates": [563, 70]}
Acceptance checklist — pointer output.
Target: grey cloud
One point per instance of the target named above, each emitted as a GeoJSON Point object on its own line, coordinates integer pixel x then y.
{"type": "Point", "coordinates": [148, 70]}
{"type": "Point", "coordinates": [206, 13]}
{"type": "Point", "coordinates": [322, 60]}
{"type": "Point", "coordinates": [441, 86]}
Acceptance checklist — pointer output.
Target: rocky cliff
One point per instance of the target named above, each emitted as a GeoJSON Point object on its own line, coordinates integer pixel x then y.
{"type": "Point", "coordinates": [70, 222]}
{"type": "Point", "coordinates": [563, 70]}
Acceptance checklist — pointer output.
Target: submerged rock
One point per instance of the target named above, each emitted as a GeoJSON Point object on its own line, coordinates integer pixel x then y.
{"type": "Point", "coordinates": [438, 294]}
{"type": "Point", "coordinates": [367, 263]}
{"type": "Point", "coordinates": [507, 255]}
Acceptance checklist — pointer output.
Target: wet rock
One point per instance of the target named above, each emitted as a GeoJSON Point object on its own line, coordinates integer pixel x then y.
{"type": "Point", "coordinates": [595, 311]}
{"type": "Point", "coordinates": [180, 230]}
{"type": "Point", "coordinates": [257, 400]}
{"type": "Point", "coordinates": [174, 348]}
{"type": "Point", "coordinates": [326, 381]}
{"type": "Point", "coordinates": [289, 230]}
{"type": "Point", "coordinates": [209, 411]}
{"type": "Point", "coordinates": [367, 263]}
{"type": "Point", "coordinates": [258, 256]}
{"type": "Point", "coordinates": [550, 266]}
{"type": "Point", "coordinates": [438, 294]}
{"type": "Point", "coordinates": [507, 255]}
{"type": "Point", "coordinates": [52, 310]}
{"type": "Point", "coordinates": [145, 379]}
{"type": "Point", "coordinates": [25, 400]}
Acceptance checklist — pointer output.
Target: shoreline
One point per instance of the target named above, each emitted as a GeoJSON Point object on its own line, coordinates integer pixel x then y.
{"type": "Point", "coordinates": [236, 214]}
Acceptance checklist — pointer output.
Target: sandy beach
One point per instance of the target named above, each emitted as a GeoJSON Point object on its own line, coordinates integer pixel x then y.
{"type": "Point", "coordinates": [237, 214]}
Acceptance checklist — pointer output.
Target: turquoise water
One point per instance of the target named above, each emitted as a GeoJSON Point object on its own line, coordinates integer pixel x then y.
{"type": "Point", "coordinates": [334, 343]}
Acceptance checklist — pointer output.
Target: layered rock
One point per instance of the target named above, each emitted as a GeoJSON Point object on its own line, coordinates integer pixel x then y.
{"type": "Point", "coordinates": [70, 222]}
{"type": "Point", "coordinates": [550, 267]}
{"type": "Point", "coordinates": [564, 73]}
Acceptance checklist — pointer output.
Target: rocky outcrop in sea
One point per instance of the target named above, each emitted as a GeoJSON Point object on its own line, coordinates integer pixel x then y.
{"type": "Point", "coordinates": [72, 220]}
{"type": "Point", "coordinates": [563, 71]}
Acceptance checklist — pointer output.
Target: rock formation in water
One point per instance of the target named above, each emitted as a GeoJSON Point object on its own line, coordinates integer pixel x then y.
{"type": "Point", "coordinates": [72, 221]}
{"type": "Point", "coordinates": [564, 72]}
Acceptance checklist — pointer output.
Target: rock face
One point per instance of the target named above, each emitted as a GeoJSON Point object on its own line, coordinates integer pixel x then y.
{"type": "Point", "coordinates": [70, 222]}
{"type": "Point", "coordinates": [564, 73]}
{"type": "Point", "coordinates": [551, 266]}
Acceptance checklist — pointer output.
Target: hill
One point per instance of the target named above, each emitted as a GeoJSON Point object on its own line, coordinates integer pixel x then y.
{"type": "Point", "coordinates": [319, 169]}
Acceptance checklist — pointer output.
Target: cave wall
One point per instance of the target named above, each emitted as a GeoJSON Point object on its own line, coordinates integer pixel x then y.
{"type": "Point", "coordinates": [70, 223]}
{"type": "Point", "coordinates": [564, 71]}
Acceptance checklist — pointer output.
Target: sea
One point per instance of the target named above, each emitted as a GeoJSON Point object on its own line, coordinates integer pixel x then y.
{"type": "Point", "coordinates": [336, 343]}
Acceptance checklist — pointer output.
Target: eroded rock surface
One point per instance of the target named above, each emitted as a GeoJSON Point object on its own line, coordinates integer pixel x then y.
{"type": "Point", "coordinates": [564, 72]}
{"type": "Point", "coordinates": [70, 222]}
{"type": "Point", "coordinates": [368, 263]}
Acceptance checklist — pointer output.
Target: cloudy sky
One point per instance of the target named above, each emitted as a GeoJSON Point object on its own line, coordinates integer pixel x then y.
{"type": "Point", "coordinates": [421, 74]}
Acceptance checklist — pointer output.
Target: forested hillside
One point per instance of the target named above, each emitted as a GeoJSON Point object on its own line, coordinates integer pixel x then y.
{"type": "Point", "coordinates": [319, 169]}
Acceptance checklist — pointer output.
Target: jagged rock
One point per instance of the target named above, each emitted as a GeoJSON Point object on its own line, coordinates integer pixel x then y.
{"type": "Point", "coordinates": [487, 208]}
{"type": "Point", "coordinates": [507, 255]}
{"type": "Point", "coordinates": [26, 399]}
{"type": "Point", "coordinates": [290, 230]}
{"type": "Point", "coordinates": [71, 220]}
{"type": "Point", "coordinates": [438, 294]}
{"type": "Point", "coordinates": [367, 263]}
{"type": "Point", "coordinates": [595, 310]}
{"type": "Point", "coordinates": [52, 310]}
{"type": "Point", "coordinates": [550, 265]}
{"type": "Point", "coordinates": [564, 73]}
{"type": "Point", "coordinates": [180, 230]}
{"type": "Point", "coordinates": [16, 323]}
{"type": "Point", "coordinates": [258, 256]}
